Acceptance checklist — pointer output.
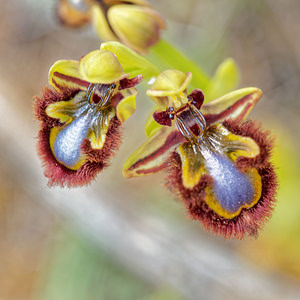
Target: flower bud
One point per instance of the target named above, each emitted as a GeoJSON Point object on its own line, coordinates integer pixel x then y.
{"type": "Point", "coordinates": [134, 22]}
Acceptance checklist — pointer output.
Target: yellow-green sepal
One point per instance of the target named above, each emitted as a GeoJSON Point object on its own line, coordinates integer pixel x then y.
{"type": "Point", "coordinates": [235, 105]}
{"type": "Point", "coordinates": [170, 82]}
{"type": "Point", "coordinates": [226, 79]}
{"type": "Point", "coordinates": [65, 73]}
{"type": "Point", "coordinates": [101, 66]}
{"type": "Point", "coordinates": [152, 156]}
{"type": "Point", "coordinates": [127, 106]}
{"type": "Point", "coordinates": [132, 63]}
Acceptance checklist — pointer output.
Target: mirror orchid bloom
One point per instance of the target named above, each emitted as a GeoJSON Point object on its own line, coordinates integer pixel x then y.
{"type": "Point", "coordinates": [216, 163]}
{"type": "Point", "coordinates": [81, 117]}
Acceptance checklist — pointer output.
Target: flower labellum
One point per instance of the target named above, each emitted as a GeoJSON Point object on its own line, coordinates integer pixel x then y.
{"type": "Point", "coordinates": [81, 119]}
{"type": "Point", "coordinates": [217, 163]}
{"type": "Point", "coordinates": [224, 176]}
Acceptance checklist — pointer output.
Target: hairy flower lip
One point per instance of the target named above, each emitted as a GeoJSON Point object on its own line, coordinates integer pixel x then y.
{"type": "Point", "coordinates": [248, 221]}
{"type": "Point", "coordinates": [228, 151]}
{"type": "Point", "coordinates": [57, 173]}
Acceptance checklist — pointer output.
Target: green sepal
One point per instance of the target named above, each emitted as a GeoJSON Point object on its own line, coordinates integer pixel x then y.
{"type": "Point", "coordinates": [152, 156]}
{"type": "Point", "coordinates": [101, 66]}
{"type": "Point", "coordinates": [236, 105]}
{"type": "Point", "coordinates": [132, 63]}
{"type": "Point", "coordinates": [65, 73]}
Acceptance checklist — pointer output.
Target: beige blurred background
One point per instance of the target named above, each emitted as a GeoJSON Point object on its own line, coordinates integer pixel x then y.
{"type": "Point", "coordinates": [128, 239]}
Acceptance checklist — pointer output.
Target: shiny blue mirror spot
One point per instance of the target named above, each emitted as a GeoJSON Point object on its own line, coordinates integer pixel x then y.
{"type": "Point", "coordinates": [68, 142]}
{"type": "Point", "coordinates": [232, 188]}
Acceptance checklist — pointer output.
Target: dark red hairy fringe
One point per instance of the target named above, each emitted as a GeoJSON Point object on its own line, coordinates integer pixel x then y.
{"type": "Point", "coordinates": [249, 221]}
{"type": "Point", "coordinates": [57, 173]}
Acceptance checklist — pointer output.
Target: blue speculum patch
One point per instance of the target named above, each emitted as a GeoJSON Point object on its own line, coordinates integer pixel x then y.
{"type": "Point", "coordinates": [232, 188]}
{"type": "Point", "coordinates": [67, 144]}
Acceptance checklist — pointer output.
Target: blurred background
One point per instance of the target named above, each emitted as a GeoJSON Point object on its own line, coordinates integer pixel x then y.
{"type": "Point", "coordinates": [128, 239]}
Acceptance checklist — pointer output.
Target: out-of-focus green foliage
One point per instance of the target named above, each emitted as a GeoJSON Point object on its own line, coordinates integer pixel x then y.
{"type": "Point", "coordinates": [166, 56]}
{"type": "Point", "coordinates": [226, 78]}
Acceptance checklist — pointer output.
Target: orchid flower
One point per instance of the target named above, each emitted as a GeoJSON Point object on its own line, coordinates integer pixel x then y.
{"type": "Point", "coordinates": [217, 163]}
{"type": "Point", "coordinates": [81, 117]}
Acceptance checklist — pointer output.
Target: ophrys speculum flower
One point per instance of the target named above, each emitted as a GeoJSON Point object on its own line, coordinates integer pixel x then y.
{"type": "Point", "coordinates": [81, 120]}
{"type": "Point", "coordinates": [217, 164]}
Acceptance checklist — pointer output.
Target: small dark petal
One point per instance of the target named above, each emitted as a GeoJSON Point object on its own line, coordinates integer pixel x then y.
{"type": "Point", "coordinates": [197, 98]}
{"type": "Point", "coordinates": [162, 118]}
{"type": "Point", "coordinates": [58, 174]}
{"type": "Point", "coordinates": [127, 83]}
{"type": "Point", "coordinates": [250, 221]}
